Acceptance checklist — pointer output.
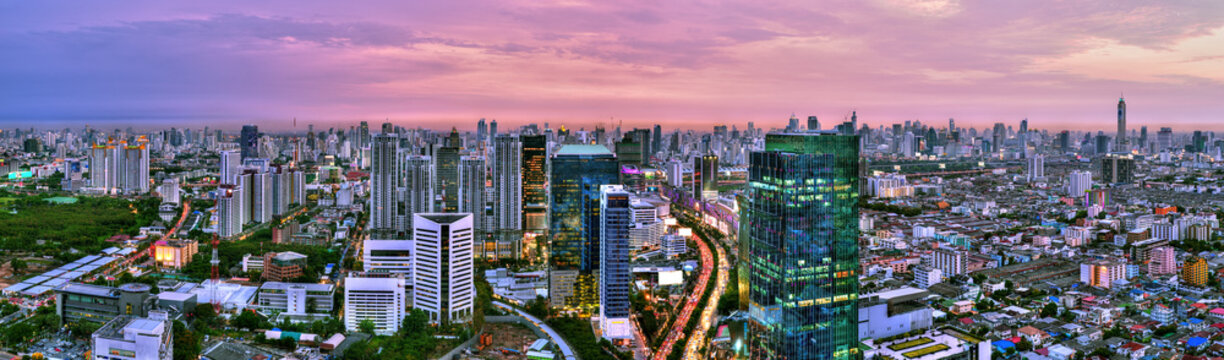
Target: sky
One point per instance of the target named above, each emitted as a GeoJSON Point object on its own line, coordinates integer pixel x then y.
{"type": "Point", "coordinates": [682, 64]}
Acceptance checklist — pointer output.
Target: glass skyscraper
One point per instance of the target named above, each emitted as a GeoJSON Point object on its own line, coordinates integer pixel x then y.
{"type": "Point", "coordinates": [577, 173]}
{"type": "Point", "coordinates": [802, 238]}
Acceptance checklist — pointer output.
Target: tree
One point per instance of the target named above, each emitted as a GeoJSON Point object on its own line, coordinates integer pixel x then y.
{"type": "Point", "coordinates": [248, 320]}
{"type": "Point", "coordinates": [312, 305]}
{"type": "Point", "coordinates": [1050, 309]}
{"type": "Point", "coordinates": [366, 326]}
{"type": "Point", "coordinates": [1024, 345]}
{"type": "Point", "coordinates": [539, 307]}
{"type": "Point", "coordinates": [416, 321]}
{"type": "Point", "coordinates": [186, 343]}
{"type": "Point", "coordinates": [18, 265]}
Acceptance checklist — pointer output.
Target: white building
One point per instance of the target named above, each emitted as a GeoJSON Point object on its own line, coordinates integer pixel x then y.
{"type": "Point", "coordinates": [231, 165]}
{"type": "Point", "coordinates": [379, 298]}
{"type": "Point", "coordinates": [674, 245]}
{"type": "Point", "coordinates": [675, 174]}
{"type": "Point", "coordinates": [1078, 183]}
{"type": "Point", "coordinates": [949, 261]}
{"type": "Point", "coordinates": [135, 338]}
{"type": "Point", "coordinates": [169, 191]}
{"type": "Point", "coordinates": [1036, 167]}
{"type": "Point", "coordinates": [444, 285]}
{"type": "Point", "coordinates": [389, 256]}
{"type": "Point", "coordinates": [925, 276]}
{"type": "Point", "coordinates": [229, 211]}
{"type": "Point", "coordinates": [893, 312]}
{"type": "Point", "coordinates": [418, 191]}
{"type": "Point", "coordinates": [296, 298]}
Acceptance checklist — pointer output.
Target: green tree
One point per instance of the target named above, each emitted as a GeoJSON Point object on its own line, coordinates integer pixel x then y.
{"type": "Point", "coordinates": [18, 265]}
{"type": "Point", "coordinates": [247, 320]}
{"type": "Point", "coordinates": [366, 326]}
{"type": "Point", "coordinates": [1050, 309]}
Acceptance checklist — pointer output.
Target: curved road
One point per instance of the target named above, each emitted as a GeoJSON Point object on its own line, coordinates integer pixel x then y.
{"type": "Point", "coordinates": [556, 338]}
{"type": "Point", "coordinates": [707, 315]}
{"type": "Point", "coordinates": [677, 331]}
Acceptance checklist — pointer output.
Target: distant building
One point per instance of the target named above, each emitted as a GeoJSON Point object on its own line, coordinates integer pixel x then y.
{"type": "Point", "coordinates": [1102, 273]}
{"type": "Point", "coordinates": [135, 338]}
{"type": "Point", "coordinates": [893, 312]}
{"type": "Point", "coordinates": [175, 253]}
{"type": "Point", "coordinates": [1117, 169]}
{"type": "Point", "coordinates": [1162, 261]}
{"type": "Point", "coordinates": [705, 177]}
{"type": "Point", "coordinates": [1078, 182]}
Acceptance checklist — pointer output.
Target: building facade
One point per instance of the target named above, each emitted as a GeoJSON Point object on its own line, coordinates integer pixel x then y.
{"type": "Point", "coordinates": [577, 173]}
{"type": "Point", "coordinates": [444, 285]}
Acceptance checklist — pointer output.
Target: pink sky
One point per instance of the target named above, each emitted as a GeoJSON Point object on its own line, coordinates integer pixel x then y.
{"type": "Point", "coordinates": [683, 64]}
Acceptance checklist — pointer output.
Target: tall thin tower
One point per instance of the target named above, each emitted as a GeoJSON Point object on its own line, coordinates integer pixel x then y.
{"type": "Point", "coordinates": [1122, 124]}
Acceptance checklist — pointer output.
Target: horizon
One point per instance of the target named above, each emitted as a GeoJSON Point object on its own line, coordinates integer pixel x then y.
{"type": "Point", "coordinates": [684, 65]}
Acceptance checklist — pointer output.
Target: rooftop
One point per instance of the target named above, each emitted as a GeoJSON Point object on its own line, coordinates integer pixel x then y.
{"type": "Point", "coordinates": [572, 149]}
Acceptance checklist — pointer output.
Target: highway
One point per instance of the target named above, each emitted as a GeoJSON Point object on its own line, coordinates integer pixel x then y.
{"type": "Point", "coordinates": [677, 331]}
{"type": "Point", "coordinates": [555, 337]}
{"type": "Point", "coordinates": [698, 337]}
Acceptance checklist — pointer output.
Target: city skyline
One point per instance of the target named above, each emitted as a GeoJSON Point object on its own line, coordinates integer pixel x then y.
{"type": "Point", "coordinates": [585, 64]}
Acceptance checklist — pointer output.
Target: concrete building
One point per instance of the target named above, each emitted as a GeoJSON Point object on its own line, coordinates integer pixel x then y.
{"type": "Point", "coordinates": [1102, 273]}
{"type": "Point", "coordinates": [418, 190]}
{"type": "Point", "coordinates": [1162, 261]}
{"type": "Point", "coordinates": [950, 262]}
{"type": "Point", "coordinates": [388, 257]}
{"type": "Point", "coordinates": [296, 298]}
{"type": "Point", "coordinates": [384, 181]}
{"type": "Point", "coordinates": [615, 276]}
{"type": "Point", "coordinates": [84, 302]}
{"type": "Point", "coordinates": [175, 253]}
{"type": "Point", "coordinates": [135, 338]}
{"type": "Point", "coordinates": [1078, 183]}
{"type": "Point", "coordinates": [893, 312]}
{"type": "Point", "coordinates": [1194, 272]}
{"type": "Point", "coordinates": [230, 165]}
{"type": "Point", "coordinates": [379, 298]}
{"type": "Point", "coordinates": [925, 276]}
{"type": "Point", "coordinates": [229, 211]}
{"type": "Point", "coordinates": [283, 266]}
{"type": "Point", "coordinates": [444, 285]}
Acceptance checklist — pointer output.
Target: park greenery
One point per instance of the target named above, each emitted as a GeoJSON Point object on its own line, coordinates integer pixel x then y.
{"type": "Point", "coordinates": [581, 338]}
{"type": "Point", "coordinates": [260, 242]}
{"type": "Point", "coordinates": [414, 340]}
{"type": "Point", "coordinates": [32, 224]}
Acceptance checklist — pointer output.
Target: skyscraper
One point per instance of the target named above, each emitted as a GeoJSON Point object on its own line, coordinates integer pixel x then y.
{"type": "Point", "coordinates": [444, 285]}
{"type": "Point", "coordinates": [507, 192]}
{"type": "Point", "coordinates": [801, 229]}
{"type": "Point", "coordinates": [384, 181]}
{"type": "Point", "coordinates": [577, 173]}
{"type": "Point", "coordinates": [231, 162]}
{"type": "Point", "coordinates": [615, 276]}
{"type": "Point", "coordinates": [472, 181]}
{"type": "Point", "coordinates": [535, 179]}
{"type": "Point", "coordinates": [418, 195]}
{"type": "Point", "coordinates": [812, 123]}
{"type": "Point", "coordinates": [229, 211]}
{"type": "Point", "coordinates": [1036, 167]}
{"type": "Point", "coordinates": [249, 141]}
{"type": "Point", "coordinates": [1121, 138]}
{"type": "Point", "coordinates": [705, 177]}
{"type": "Point", "coordinates": [1117, 169]}
{"type": "Point", "coordinates": [446, 181]}
{"type": "Point", "coordinates": [1078, 183]}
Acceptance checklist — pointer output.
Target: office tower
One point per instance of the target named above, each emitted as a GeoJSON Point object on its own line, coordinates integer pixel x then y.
{"type": "Point", "coordinates": [1023, 134]}
{"type": "Point", "coordinates": [1194, 272]}
{"type": "Point", "coordinates": [1164, 138]}
{"type": "Point", "coordinates": [705, 177]}
{"type": "Point", "coordinates": [1000, 134]}
{"type": "Point", "coordinates": [136, 338]}
{"type": "Point", "coordinates": [243, 184]}
{"type": "Point", "coordinates": [1143, 136]}
{"type": "Point", "coordinates": [1036, 167]}
{"type": "Point", "coordinates": [656, 144]}
{"type": "Point", "coordinates": [1121, 138]}
{"type": "Point", "coordinates": [800, 223]}
{"type": "Point", "coordinates": [1117, 169]}
{"type": "Point", "coordinates": [675, 174]}
{"type": "Point", "coordinates": [950, 261]}
{"type": "Point", "coordinates": [229, 211]}
{"type": "Point", "coordinates": [1102, 273]}
{"type": "Point", "coordinates": [388, 128]}
{"type": "Point", "coordinates": [379, 298]}
{"type": "Point", "coordinates": [674, 147]}
{"type": "Point", "coordinates": [1064, 141]}
{"type": "Point", "coordinates": [577, 173]}
{"type": "Point", "coordinates": [813, 123]}
{"type": "Point", "coordinates": [76, 302]}
{"type": "Point", "coordinates": [444, 286]}
{"type": "Point", "coordinates": [1102, 144]}
{"type": "Point", "coordinates": [170, 191]}
{"type": "Point", "coordinates": [446, 182]}
{"type": "Point", "coordinates": [535, 177]}
{"type": "Point", "coordinates": [615, 276]}
{"type": "Point", "coordinates": [472, 188]}
{"type": "Point", "coordinates": [493, 129]}
{"type": "Point", "coordinates": [363, 135]}
{"type": "Point", "coordinates": [1162, 261]}
{"type": "Point", "coordinates": [793, 123]}
{"type": "Point", "coordinates": [482, 130]}
{"type": "Point", "coordinates": [389, 256]}
{"type": "Point", "coordinates": [231, 165]}
{"type": "Point", "coordinates": [418, 193]}
{"type": "Point", "coordinates": [1078, 183]}
{"type": "Point", "coordinates": [1198, 141]}
{"type": "Point", "coordinates": [384, 181]}
{"type": "Point", "coordinates": [248, 142]}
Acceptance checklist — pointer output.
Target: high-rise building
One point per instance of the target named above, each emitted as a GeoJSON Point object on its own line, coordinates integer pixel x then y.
{"type": "Point", "coordinates": [1117, 168]}
{"type": "Point", "coordinates": [446, 181]}
{"type": "Point", "coordinates": [472, 186]}
{"type": "Point", "coordinates": [675, 174]}
{"type": "Point", "coordinates": [705, 177]}
{"type": "Point", "coordinates": [384, 182]}
{"type": "Point", "coordinates": [507, 183]}
{"type": "Point", "coordinates": [1194, 272]}
{"type": "Point", "coordinates": [444, 286]}
{"type": "Point", "coordinates": [799, 224]}
{"type": "Point", "coordinates": [120, 167]}
{"type": "Point", "coordinates": [229, 211]}
{"type": "Point", "coordinates": [418, 193]}
{"type": "Point", "coordinates": [231, 165]}
{"type": "Point", "coordinates": [812, 123]}
{"type": "Point", "coordinates": [615, 275]}
{"type": "Point", "coordinates": [1164, 138]}
{"type": "Point", "coordinates": [389, 256]}
{"type": "Point", "coordinates": [950, 261]}
{"type": "Point", "coordinates": [248, 141]}
{"type": "Point", "coordinates": [1121, 137]}
{"type": "Point", "coordinates": [577, 173]}
{"type": "Point", "coordinates": [1036, 167]}
{"type": "Point", "coordinates": [378, 298]}
{"type": "Point", "coordinates": [1078, 183]}
{"type": "Point", "coordinates": [535, 179]}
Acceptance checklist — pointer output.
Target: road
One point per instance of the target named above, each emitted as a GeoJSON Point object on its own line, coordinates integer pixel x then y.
{"type": "Point", "coordinates": [698, 337]}
{"type": "Point", "coordinates": [677, 331]}
{"type": "Point", "coordinates": [553, 335]}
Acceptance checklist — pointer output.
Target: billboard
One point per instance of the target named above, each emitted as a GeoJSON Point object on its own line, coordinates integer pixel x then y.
{"type": "Point", "coordinates": [674, 277]}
